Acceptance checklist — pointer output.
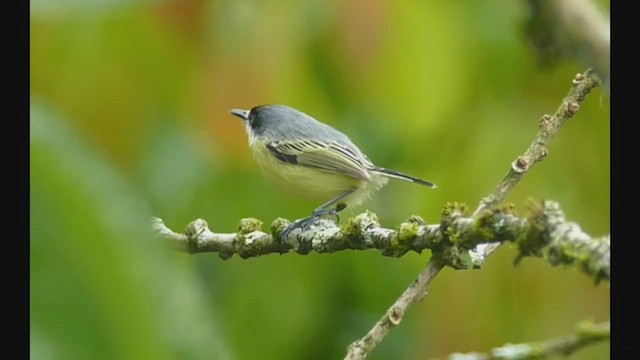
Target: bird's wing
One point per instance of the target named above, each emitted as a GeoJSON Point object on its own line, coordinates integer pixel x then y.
{"type": "Point", "coordinates": [330, 156]}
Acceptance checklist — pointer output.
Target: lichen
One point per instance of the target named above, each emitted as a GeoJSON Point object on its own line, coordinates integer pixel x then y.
{"type": "Point", "coordinates": [248, 225]}
{"type": "Point", "coordinates": [278, 226]}
{"type": "Point", "coordinates": [355, 225]}
{"type": "Point", "coordinates": [534, 238]}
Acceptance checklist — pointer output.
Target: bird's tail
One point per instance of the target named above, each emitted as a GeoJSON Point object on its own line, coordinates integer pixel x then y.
{"type": "Point", "coordinates": [401, 176]}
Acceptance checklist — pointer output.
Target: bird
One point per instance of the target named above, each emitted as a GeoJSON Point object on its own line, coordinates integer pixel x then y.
{"type": "Point", "coordinates": [307, 158]}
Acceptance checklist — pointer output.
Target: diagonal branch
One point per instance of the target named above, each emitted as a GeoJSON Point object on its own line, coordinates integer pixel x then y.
{"type": "Point", "coordinates": [549, 126]}
{"type": "Point", "coordinates": [394, 315]}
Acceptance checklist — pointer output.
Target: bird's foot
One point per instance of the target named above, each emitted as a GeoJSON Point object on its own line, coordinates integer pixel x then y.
{"type": "Point", "coordinates": [304, 223]}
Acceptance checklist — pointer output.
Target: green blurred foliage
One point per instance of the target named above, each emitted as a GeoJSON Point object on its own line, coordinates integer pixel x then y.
{"type": "Point", "coordinates": [129, 119]}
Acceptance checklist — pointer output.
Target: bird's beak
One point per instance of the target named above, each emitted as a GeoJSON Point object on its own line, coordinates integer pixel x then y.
{"type": "Point", "coordinates": [243, 114]}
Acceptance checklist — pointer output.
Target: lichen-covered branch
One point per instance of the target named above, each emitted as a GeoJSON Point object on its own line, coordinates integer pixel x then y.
{"type": "Point", "coordinates": [544, 233]}
{"type": "Point", "coordinates": [587, 333]}
{"type": "Point", "coordinates": [362, 232]}
{"type": "Point", "coordinates": [564, 243]}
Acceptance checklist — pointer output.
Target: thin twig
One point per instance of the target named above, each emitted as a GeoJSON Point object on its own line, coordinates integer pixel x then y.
{"type": "Point", "coordinates": [549, 126]}
{"type": "Point", "coordinates": [394, 315]}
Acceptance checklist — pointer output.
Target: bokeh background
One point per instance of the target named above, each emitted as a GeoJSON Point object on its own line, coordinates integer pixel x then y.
{"type": "Point", "coordinates": [129, 119]}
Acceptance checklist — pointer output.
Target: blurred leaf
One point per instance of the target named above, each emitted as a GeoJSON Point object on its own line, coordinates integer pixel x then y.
{"type": "Point", "coordinates": [60, 8]}
{"type": "Point", "coordinates": [101, 287]}
{"type": "Point", "coordinates": [170, 192]}
{"type": "Point", "coordinates": [113, 74]}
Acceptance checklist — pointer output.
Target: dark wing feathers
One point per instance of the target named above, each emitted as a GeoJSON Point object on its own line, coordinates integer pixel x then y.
{"type": "Point", "coordinates": [329, 156]}
{"type": "Point", "coordinates": [282, 153]}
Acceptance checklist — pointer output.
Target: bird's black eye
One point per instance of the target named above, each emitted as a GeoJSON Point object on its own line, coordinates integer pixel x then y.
{"type": "Point", "coordinates": [254, 120]}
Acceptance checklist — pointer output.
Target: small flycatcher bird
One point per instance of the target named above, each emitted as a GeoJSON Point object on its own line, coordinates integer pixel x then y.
{"type": "Point", "coordinates": [307, 158]}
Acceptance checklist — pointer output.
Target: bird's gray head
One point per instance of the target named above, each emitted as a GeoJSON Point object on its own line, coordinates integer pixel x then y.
{"type": "Point", "coordinates": [280, 122]}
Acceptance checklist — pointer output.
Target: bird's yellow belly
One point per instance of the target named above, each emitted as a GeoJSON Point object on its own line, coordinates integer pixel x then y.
{"type": "Point", "coordinates": [308, 182]}
{"type": "Point", "coordinates": [313, 183]}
